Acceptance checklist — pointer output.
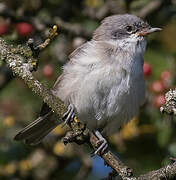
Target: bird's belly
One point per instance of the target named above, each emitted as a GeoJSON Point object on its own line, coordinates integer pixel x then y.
{"type": "Point", "coordinates": [127, 103]}
{"type": "Point", "coordinates": [109, 107]}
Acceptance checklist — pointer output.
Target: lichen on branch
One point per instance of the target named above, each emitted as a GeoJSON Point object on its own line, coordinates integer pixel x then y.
{"type": "Point", "coordinates": [170, 106]}
{"type": "Point", "coordinates": [22, 69]}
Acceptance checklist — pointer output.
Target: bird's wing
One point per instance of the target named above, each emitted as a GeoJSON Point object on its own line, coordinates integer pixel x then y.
{"type": "Point", "coordinates": [79, 51]}
{"type": "Point", "coordinates": [38, 129]}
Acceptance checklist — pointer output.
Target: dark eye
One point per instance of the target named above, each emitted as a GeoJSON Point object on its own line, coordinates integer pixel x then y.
{"type": "Point", "coordinates": [129, 29]}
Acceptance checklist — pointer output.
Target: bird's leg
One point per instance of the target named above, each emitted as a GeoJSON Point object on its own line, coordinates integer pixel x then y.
{"type": "Point", "coordinates": [78, 134]}
{"type": "Point", "coordinates": [69, 115]}
{"type": "Point", "coordinates": [101, 143]}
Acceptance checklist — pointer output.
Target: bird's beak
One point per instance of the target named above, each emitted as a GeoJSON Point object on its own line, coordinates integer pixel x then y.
{"type": "Point", "coordinates": [148, 31]}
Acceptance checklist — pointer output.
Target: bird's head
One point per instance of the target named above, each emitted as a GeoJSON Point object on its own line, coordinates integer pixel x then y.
{"type": "Point", "coordinates": [123, 29]}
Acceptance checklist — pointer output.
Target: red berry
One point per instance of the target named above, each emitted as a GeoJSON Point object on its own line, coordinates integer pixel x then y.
{"type": "Point", "coordinates": [147, 68]}
{"type": "Point", "coordinates": [158, 86]}
{"type": "Point", "coordinates": [165, 76]}
{"type": "Point", "coordinates": [48, 70]}
{"type": "Point", "coordinates": [3, 29]}
{"type": "Point", "coordinates": [159, 100]}
{"type": "Point", "coordinates": [24, 29]}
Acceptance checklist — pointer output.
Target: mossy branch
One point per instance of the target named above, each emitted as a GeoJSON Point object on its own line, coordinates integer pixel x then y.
{"type": "Point", "coordinates": [22, 69]}
{"type": "Point", "coordinates": [17, 63]}
{"type": "Point", "coordinates": [21, 65]}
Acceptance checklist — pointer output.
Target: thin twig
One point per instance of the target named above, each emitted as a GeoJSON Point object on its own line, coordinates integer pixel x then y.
{"type": "Point", "coordinates": [149, 8]}
{"type": "Point", "coordinates": [74, 28]}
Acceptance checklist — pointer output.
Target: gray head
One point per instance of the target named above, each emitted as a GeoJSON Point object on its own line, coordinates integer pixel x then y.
{"type": "Point", "coordinates": [124, 26]}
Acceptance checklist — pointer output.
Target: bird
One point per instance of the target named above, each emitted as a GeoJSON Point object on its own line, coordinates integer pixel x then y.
{"type": "Point", "coordinates": [102, 83]}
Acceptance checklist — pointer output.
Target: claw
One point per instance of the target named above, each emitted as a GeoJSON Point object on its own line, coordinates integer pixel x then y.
{"type": "Point", "coordinates": [69, 115]}
{"type": "Point", "coordinates": [102, 143]}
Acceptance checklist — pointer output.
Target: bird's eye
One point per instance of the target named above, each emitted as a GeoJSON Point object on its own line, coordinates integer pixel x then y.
{"type": "Point", "coordinates": [129, 29]}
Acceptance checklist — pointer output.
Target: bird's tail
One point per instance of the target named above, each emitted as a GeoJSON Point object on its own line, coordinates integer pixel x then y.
{"type": "Point", "coordinates": [37, 130]}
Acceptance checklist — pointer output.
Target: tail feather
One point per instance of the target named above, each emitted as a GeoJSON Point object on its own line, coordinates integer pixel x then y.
{"type": "Point", "coordinates": [38, 137]}
{"type": "Point", "coordinates": [37, 130]}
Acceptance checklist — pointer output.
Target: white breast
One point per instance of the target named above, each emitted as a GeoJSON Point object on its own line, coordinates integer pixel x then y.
{"type": "Point", "coordinates": [105, 93]}
{"type": "Point", "coordinates": [126, 98]}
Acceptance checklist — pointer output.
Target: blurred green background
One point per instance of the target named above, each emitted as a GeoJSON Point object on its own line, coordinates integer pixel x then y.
{"type": "Point", "coordinates": [144, 144]}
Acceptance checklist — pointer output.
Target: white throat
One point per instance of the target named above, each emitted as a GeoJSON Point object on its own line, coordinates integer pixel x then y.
{"type": "Point", "coordinates": [134, 45]}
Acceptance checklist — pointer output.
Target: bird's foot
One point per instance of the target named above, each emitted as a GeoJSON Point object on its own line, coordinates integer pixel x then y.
{"type": "Point", "coordinates": [69, 115]}
{"type": "Point", "coordinates": [102, 144]}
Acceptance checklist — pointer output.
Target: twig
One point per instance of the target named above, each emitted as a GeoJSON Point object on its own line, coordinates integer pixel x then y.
{"type": "Point", "coordinates": [165, 173]}
{"type": "Point", "coordinates": [74, 28]}
{"type": "Point", "coordinates": [149, 8]}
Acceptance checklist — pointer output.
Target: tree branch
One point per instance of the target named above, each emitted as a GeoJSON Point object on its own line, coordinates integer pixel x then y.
{"type": "Point", "coordinates": [22, 67]}
{"type": "Point", "coordinates": [167, 172]}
